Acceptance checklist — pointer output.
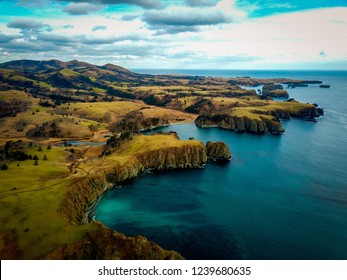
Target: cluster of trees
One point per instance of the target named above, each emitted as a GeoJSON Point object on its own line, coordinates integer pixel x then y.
{"type": "Point", "coordinates": [114, 142]}
{"type": "Point", "coordinates": [13, 151]}
{"type": "Point", "coordinates": [120, 93]}
{"type": "Point", "coordinates": [197, 107]}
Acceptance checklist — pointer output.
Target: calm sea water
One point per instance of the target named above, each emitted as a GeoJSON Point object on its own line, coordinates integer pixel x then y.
{"type": "Point", "coordinates": [281, 197]}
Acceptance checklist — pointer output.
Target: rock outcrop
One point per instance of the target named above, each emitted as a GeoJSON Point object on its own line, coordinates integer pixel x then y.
{"type": "Point", "coordinates": [259, 125]}
{"type": "Point", "coordinates": [260, 120]}
{"type": "Point", "coordinates": [218, 151]}
{"type": "Point", "coordinates": [107, 244]}
{"type": "Point", "coordinates": [274, 90]}
{"type": "Point", "coordinates": [136, 121]}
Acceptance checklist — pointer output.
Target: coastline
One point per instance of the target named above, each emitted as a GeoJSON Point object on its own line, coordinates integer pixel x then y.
{"type": "Point", "coordinates": [93, 193]}
{"type": "Point", "coordinates": [86, 193]}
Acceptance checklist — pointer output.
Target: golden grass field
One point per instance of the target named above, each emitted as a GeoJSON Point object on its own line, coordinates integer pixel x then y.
{"type": "Point", "coordinates": [31, 195]}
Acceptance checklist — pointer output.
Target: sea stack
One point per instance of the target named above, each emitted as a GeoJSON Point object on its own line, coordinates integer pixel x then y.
{"type": "Point", "coordinates": [218, 151]}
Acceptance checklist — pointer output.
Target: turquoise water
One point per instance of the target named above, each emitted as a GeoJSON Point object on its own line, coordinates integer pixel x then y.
{"type": "Point", "coordinates": [281, 197]}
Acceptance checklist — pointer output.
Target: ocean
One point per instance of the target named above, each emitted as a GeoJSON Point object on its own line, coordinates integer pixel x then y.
{"type": "Point", "coordinates": [280, 197]}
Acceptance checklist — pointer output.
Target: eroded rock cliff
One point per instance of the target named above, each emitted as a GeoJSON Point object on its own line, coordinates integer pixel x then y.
{"type": "Point", "coordinates": [84, 194]}
{"type": "Point", "coordinates": [241, 124]}
{"type": "Point", "coordinates": [218, 151]}
{"type": "Point", "coordinates": [107, 244]}
{"type": "Point", "coordinates": [261, 119]}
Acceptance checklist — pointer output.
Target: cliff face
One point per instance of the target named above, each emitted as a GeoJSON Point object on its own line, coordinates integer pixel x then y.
{"type": "Point", "coordinates": [260, 120]}
{"type": "Point", "coordinates": [309, 112]}
{"type": "Point", "coordinates": [174, 157]}
{"type": "Point", "coordinates": [241, 124]}
{"type": "Point", "coordinates": [218, 151]}
{"type": "Point", "coordinates": [84, 194]}
{"type": "Point", "coordinates": [107, 244]}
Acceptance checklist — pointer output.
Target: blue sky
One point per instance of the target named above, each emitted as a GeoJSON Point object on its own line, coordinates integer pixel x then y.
{"type": "Point", "coordinates": [195, 34]}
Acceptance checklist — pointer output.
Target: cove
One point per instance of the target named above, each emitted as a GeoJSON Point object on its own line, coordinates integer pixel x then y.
{"type": "Point", "coordinates": [262, 205]}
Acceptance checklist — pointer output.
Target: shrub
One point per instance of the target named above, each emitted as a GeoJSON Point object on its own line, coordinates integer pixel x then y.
{"type": "Point", "coordinates": [4, 167]}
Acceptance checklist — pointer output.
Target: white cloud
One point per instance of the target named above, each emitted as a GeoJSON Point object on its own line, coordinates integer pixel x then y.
{"type": "Point", "coordinates": [82, 8]}
{"type": "Point", "coordinates": [283, 40]}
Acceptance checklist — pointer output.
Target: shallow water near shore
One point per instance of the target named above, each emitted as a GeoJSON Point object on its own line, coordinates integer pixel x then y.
{"type": "Point", "coordinates": [280, 197]}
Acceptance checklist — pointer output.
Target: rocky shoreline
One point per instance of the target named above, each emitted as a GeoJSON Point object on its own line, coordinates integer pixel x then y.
{"type": "Point", "coordinates": [85, 194]}
{"type": "Point", "coordinates": [263, 120]}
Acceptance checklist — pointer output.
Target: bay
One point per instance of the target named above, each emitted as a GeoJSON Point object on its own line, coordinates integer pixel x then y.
{"type": "Point", "coordinates": [280, 197]}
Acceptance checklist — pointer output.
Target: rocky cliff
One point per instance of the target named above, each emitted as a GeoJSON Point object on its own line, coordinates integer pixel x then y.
{"type": "Point", "coordinates": [218, 151]}
{"type": "Point", "coordinates": [85, 193]}
{"type": "Point", "coordinates": [274, 90]}
{"type": "Point", "coordinates": [136, 121]}
{"type": "Point", "coordinates": [107, 244]}
{"type": "Point", "coordinates": [262, 119]}
{"type": "Point", "coordinates": [241, 124]}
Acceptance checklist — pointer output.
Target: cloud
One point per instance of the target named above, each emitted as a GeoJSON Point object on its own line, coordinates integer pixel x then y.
{"type": "Point", "coordinates": [99, 27]}
{"type": "Point", "coordinates": [130, 17]}
{"type": "Point", "coordinates": [82, 8]}
{"type": "Point", "coordinates": [25, 47]}
{"type": "Point", "coordinates": [31, 3]}
{"type": "Point", "coordinates": [24, 23]}
{"type": "Point", "coordinates": [280, 5]}
{"type": "Point", "coordinates": [146, 4]}
{"type": "Point", "coordinates": [164, 29]}
{"type": "Point", "coordinates": [183, 19]}
{"type": "Point", "coordinates": [56, 39]}
{"type": "Point", "coordinates": [108, 40]}
{"type": "Point", "coordinates": [125, 50]}
{"type": "Point", "coordinates": [203, 38]}
{"type": "Point", "coordinates": [98, 41]}
{"type": "Point", "coordinates": [7, 38]}
{"type": "Point", "coordinates": [201, 3]}
{"type": "Point", "coordinates": [29, 27]}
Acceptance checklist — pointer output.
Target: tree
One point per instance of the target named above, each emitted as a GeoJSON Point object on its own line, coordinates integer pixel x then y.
{"type": "Point", "coordinates": [4, 167]}
{"type": "Point", "coordinates": [40, 149]}
{"type": "Point", "coordinates": [36, 162]}
{"type": "Point", "coordinates": [45, 157]}
{"type": "Point", "coordinates": [49, 147]}
{"type": "Point", "coordinates": [35, 157]}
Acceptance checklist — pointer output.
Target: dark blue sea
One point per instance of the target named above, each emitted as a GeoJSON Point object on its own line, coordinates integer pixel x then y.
{"type": "Point", "coordinates": [280, 197]}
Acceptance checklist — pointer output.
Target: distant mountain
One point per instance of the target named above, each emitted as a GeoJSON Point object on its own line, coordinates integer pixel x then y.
{"type": "Point", "coordinates": [69, 74]}
{"type": "Point", "coordinates": [33, 66]}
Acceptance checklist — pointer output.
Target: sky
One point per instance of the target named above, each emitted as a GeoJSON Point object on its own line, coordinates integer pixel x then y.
{"type": "Point", "coordinates": [178, 34]}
